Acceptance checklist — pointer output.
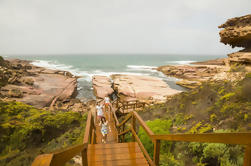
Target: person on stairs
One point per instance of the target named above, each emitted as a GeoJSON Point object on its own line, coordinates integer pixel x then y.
{"type": "Point", "coordinates": [99, 111]}
{"type": "Point", "coordinates": [108, 106]}
{"type": "Point", "coordinates": [104, 129]}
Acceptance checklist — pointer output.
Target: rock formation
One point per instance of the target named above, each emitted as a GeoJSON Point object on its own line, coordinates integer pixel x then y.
{"type": "Point", "coordinates": [191, 76]}
{"type": "Point", "coordinates": [102, 86]}
{"type": "Point", "coordinates": [237, 33]}
{"type": "Point", "coordinates": [142, 88]}
{"type": "Point", "coordinates": [33, 85]}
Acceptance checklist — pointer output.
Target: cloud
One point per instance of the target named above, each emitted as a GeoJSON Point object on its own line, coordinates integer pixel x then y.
{"type": "Point", "coordinates": [115, 26]}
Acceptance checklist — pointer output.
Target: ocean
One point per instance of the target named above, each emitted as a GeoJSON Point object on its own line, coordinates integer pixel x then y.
{"type": "Point", "coordinates": [88, 65]}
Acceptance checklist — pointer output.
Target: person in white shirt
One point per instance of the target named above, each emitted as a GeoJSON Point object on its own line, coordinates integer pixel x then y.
{"type": "Point", "coordinates": [99, 111]}
{"type": "Point", "coordinates": [107, 101]}
{"type": "Point", "coordinates": [107, 105]}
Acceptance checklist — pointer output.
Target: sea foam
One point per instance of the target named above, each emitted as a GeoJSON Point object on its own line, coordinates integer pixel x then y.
{"type": "Point", "coordinates": [85, 75]}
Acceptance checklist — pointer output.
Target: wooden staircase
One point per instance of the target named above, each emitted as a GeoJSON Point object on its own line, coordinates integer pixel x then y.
{"type": "Point", "coordinates": [116, 152]}
{"type": "Point", "coordinates": [113, 153]}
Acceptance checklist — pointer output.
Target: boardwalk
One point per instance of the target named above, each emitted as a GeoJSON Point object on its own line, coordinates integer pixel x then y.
{"type": "Point", "coordinates": [113, 153]}
{"type": "Point", "coordinates": [112, 136]}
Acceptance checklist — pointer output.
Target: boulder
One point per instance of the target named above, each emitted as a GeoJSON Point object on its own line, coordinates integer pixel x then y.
{"type": "Point", "coordinates": [141, 88]}
{"type": "Point", "coordinates": [102, 86]}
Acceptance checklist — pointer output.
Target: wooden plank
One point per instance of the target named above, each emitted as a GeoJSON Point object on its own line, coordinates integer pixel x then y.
{"type": "Point", "coordinates": [226, 138]}
{"type": "Point", "coordinates": [132, 162]}
{"type": "Point", "coordinates": [128, 156]}
{"type": "Point", "coordinates": [143, 124]}
{"type": "Point", "coordinates": [114, 145]}
{"type": "Point", "coordinates": [88, 128]}
{"type": "Point", "coordinates": [61, 157]}
{"type": "Point", "coordinates": [113, 150]}
{"type": "Point", "coordinates": [143, 148]}
{"type": "Point", "coordinates": [42, 160]}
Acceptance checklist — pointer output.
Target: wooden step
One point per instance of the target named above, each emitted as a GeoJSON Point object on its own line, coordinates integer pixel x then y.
{"type": "Point", "coordinates": [135, 162]}
{"type": "Point", "coordinates": [112, 151]}
{"type": "Point", "coordinates": [116, 154]}
{"type": "Point", "coordinates": [113, 145]}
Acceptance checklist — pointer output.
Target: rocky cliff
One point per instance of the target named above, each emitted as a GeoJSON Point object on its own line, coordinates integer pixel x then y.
{"type": "Point", "coordinates": [237, 33]}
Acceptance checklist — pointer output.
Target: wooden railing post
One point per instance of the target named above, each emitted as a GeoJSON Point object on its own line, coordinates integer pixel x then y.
{"type": "Point", "coordinates": [84, 157]}
{"type": "Point", "coordinates": [247, 158]}
{"type": "Point", "coordinates": [156, 151]}
{"type": "Point", "coordinates": [123, 137]}
{"type": "Point", "coordinates": [133, 126]}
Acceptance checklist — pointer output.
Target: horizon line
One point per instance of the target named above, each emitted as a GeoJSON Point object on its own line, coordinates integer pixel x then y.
{"type": "Point", "coordinates": [118, 54]}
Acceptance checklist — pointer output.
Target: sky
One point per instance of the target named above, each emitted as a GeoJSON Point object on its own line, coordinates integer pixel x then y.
{"type": "Point", "coordinates": [116, 26]}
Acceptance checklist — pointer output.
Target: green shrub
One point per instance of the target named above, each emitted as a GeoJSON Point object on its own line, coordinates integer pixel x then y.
{"type": "Point", "coordinates": [24, 128]}
{"type": "Point", "coordinates": [158, 126]}
{"type": "Point", "coordinates": [216, 153]}
{"type": "Point", "coordinates": [169, 160]}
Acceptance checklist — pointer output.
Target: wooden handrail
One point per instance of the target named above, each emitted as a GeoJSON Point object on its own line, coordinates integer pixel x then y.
{"type": "Point", "coordinates": [115, 117]}
{"type": "Point", "coordinates": [60, 157]}
{"type": "Point", "coordinates": [88, 128]}
{"type": "Point", "coordinates": [43, 160]}
{"type": "Point", "coordinates": [142, 148]}
{"type": "Point", "coordinates": [226, 138]}
{"type": "Point", "coordinates": [143, 124]}
{"type": "Point", "coordinates": [131, 104]}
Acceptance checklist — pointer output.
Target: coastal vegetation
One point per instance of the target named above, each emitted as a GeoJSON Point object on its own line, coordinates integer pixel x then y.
{"type": "Point", "coordinates": [222, 106]}
{"type": "Point", "coordinates": [27, 131]}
